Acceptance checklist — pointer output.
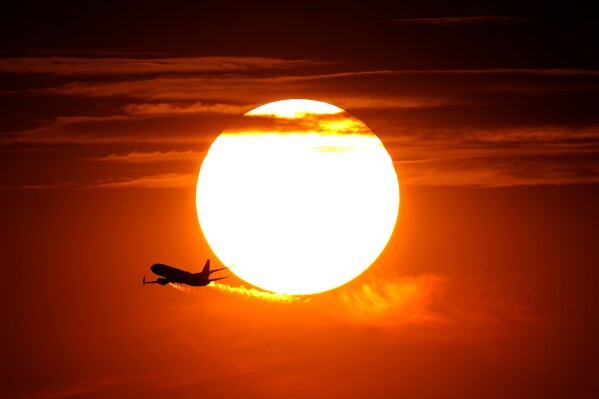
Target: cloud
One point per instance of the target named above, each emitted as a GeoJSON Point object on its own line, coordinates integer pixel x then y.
{"type": "Point", "coordinates": [40, 186]}
{"type": "Point", "coordinates": [129, 385]}
{"type": "Point", "coordinates": [475, 20]}
{"type": "Point", "coordinates": [498, 157]}
{"type": "Point", "coordinates": [437, 306]}
{"type": "Point", "coordinates": [465, 141]}
{"type": "Point", "coordinates": [479, 128]}
{"type": "Point", "coordinates": [395, 102]}
{"type": "Point", "coordinates": [313, 123]}
{"type": "Point", "coordinates": [392, 302]}
{"type": "Point", "coordinates": [69, 65]}
{"type": "Point", "coordinates": [502, 171]}
{"type": "Point", "coordinates": [150, 109]}
{"type": "Point", "coordinates": [83, 388]}
{"type": "Point", "coordinates": [162, 181]}
{"type": "Point", "coordinates": [422, 157]}
{"type": "Point", "coordinates": [182, 88]}
{"type": "Point", "coordinates": [121, 129]}
{"type": "Point", "coordinates": [371, 89]}
{"type": "Point", "coordinates": [152, 157]}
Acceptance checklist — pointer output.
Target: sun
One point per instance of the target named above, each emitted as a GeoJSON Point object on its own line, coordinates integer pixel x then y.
{"type": "Point", "coordinates": [300, 196]}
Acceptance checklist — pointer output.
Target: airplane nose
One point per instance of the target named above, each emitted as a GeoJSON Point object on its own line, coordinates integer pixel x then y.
{"type": "Point", "coordinates": [160, 269]}
{"type": "Point", "coordinates": [155, 267]}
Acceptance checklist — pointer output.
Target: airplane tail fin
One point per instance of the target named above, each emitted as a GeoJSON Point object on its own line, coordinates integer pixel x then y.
{"type": "Point", "coordinates": [206, 269]}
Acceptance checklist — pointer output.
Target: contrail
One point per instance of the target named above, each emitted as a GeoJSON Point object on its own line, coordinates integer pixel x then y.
{"type": "Point", "coordinates": [248, 292]}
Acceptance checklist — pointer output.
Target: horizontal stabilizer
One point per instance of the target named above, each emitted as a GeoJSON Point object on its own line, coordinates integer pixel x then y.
{"type": "Point", "coordinates": [149, 282]}
{"type": "Point", "coordinates": [216, 270]}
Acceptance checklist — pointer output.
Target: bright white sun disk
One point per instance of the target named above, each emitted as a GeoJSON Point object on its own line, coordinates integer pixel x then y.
{"type": "Point", "coordinates": [300, 210]}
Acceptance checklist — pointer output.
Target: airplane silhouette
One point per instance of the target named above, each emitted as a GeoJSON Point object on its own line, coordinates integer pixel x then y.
{"type": "Point", "coordinates": [171, 274]}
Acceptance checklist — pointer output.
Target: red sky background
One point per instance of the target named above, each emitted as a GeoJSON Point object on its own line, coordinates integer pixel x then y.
{"type": "Point", "coordinates": [486, 289]}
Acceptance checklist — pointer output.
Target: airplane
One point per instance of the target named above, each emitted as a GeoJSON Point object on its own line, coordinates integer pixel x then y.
{"type": "Point", "coordinates": [169, 274]}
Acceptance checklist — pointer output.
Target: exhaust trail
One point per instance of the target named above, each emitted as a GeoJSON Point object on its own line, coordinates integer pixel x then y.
{"type": "Point", "coordinates": [243, 291]}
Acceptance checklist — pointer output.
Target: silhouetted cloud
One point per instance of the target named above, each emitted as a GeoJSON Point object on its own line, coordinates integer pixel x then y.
{"type": "Point", "coordinates": [149, 109]}
{"type": "Point", "coordinates": [163, 181]}
{"type": "Point", "coordinates": [69, 65]}
{"type": "Point", "coordinates": [40, 186]}
{"type": "Point", "coordinates": [120, 128]}
{"type": "Point", "coordinates": [500, 172]}
{"type": "Point", "coordinates": [475, 20]}
{"type": "Point", "coordinates": [152, 157]}
{"type": "Point", "coordinates": [478, 127]}
{"type": "Point", "coordinates": [372, 89]}
{"type": "Point", "coordinates": [499, 158]}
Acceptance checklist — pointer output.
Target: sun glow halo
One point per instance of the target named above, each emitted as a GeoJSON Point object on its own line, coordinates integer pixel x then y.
{"type": "Point", "coordinates": [300, 196]}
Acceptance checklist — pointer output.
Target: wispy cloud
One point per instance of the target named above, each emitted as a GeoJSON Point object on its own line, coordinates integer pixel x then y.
{"type": "Point", "coordinates": [496, 171]}
{"type": "Point", "coordinates": [162, 181]}
{"type": "Point", "coordinates": [148, 109]}
{"type": "Point", "coordinates": [438, 305]}
{"type": "Point", "coordinates": [81, 389]}
{"type": "Point", "coordinates": [112, 129]}
{"type": "Point", "coordinates": [479, 127]}
{"type": "Point", "coordinates": [385, 86]}
{"type": "Point", "coordinates": [499, 157]}
{"type": "Point", "coordinates": [405, 300]}
{"type": "Point", "coordinates": [152, 157]}
{"type": "Point", "coordinates": [69, 65]}
{"type": "Point", "coordinates": [40, 186]}
{"type": "Point", "coordinates": [129, 385]}
{"type": "Point", "coordinates": [474, 20]}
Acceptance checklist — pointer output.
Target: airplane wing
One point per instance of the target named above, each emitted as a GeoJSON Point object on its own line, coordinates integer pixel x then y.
{"type": "Point", "coordinates": [219, 278]}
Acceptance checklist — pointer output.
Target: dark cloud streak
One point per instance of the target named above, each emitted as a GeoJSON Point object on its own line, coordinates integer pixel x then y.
{"type": "Point", "coordinates": [57, 65]}
{"type": "Point", "coordinates": [443, 127]}
{"type": "Point", "coordinates": [476, 20]}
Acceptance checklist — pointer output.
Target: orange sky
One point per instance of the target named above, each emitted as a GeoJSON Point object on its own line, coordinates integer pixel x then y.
{"type": "Point", "coordinates": [486, 288]}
